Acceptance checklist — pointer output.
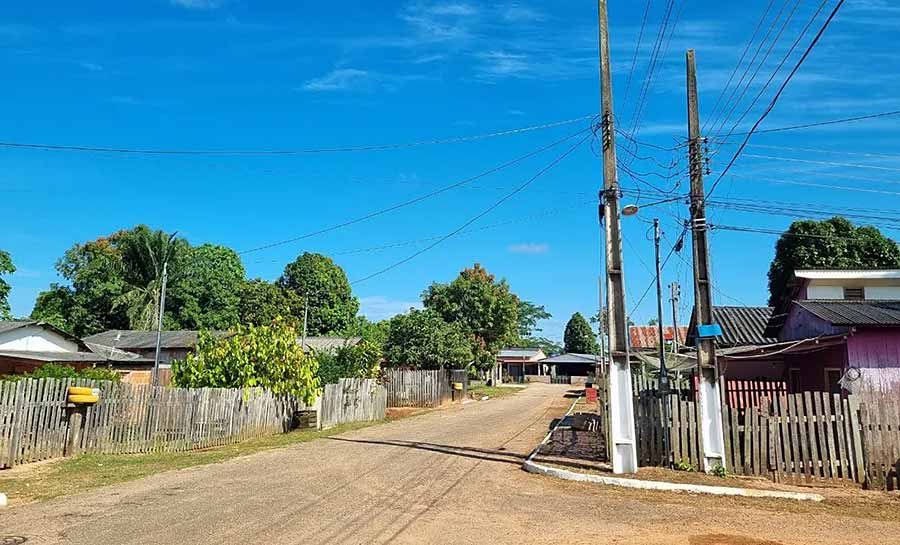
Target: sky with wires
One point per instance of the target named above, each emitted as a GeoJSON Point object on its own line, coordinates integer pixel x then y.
{"type": "Point", "coordinates": [392, 142]}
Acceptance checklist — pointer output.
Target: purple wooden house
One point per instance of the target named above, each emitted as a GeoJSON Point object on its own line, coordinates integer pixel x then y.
{"type": "Point", "coordinates": [839, 324]}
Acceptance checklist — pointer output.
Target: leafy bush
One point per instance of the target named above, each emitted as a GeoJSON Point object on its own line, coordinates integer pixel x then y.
{"type": "Point", "coordinates": [360, 361]}
{"type": "Point", "coordinates": [720, 472]}
{"type": "Point", "coordinates": [255, 356]}
{"type": "Point", "coordinates": [423, 340]}
{"type": "Point", "coordinates": [684, 465]}
{"type": "Point", "coordinates": [56, 370]}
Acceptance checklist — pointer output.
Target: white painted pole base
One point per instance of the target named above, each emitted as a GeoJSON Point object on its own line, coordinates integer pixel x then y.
{"type": "Point", "coordinates": [621, 418]}
{"type": "Point", "coordinates": [712, 431]}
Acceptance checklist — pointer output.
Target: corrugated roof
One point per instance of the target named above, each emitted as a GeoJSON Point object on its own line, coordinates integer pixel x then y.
{"type": "Point", "coordinates": [519, 352]}
{"type": "Point", "coordinates": [647, 336]}
{"type": "Point", "coordinates": [328, 343]}
{"type": "Point", "coordinates": [54, 356]}
{"type": "Point", "coordinates": [9, 325]}
{"type": "Point", "coordinates": [741, 326]}
{"type": "Point", "coordinates": [855, 313]}
{"type": "Point", "coordinates": [572, 358]}
{"type": "Point", "coordinates": [129, 339]}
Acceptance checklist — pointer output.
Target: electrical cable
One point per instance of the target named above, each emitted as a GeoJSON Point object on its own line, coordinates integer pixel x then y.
{"type": "Point", "coordinates": [414, 200]}
{"type": "Point", "coordinates": [475, 218]}
{"type": "Point", "coordinates": [301, 151]}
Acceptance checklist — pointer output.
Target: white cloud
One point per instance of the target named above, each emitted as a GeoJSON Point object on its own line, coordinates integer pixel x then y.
{"type": "Point", "coordinates": [453, 8]}
{"type": "Point", "coordinates": [529, 248]}
{"type": "Point", "coordinates": [340, 79]}
{"type": "Point", "coordinates": [198, 4]}
{"type": "Point", "coordinates": [440, 22]}
{"type": "Point", "coordinates": [379, 307]}
{"type": "Point", "coordinates": [425, 59]}
{"type": "Point", "coordinates": [503, 64]}
{"type": "Point", "coordinates": [91, 66]}
{"type": "Point", "coordinates": [517, 13]}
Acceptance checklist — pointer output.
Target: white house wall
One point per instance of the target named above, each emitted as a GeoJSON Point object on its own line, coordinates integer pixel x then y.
{"type": "Point", "coordinates": [825, 292]}
{"type": "Point", "coordinates": [35, 339]}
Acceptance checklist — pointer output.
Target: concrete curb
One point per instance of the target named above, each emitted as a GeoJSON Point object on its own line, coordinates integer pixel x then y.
{"type": "Point", "coordinates": [539, 469]}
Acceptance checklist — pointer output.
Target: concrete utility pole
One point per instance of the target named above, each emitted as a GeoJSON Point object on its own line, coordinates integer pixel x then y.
{"type": "Point", "coordinates": [675, 297]}
{"type": "Point", "coordinates": [663, 372]}
{"type": "Point", "coordinates": [621, 405]}
{"type": "Point", "coordinates": [159, 323]}
{"type": "Point", "coordinates": [710, 398]}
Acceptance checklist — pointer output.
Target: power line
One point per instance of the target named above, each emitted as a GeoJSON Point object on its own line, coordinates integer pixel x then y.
{"type": "Point", "coordinates": [415, 200]}
{"type": "Point", "coordinates": [403, 243]}
{"type": "Point", "coordinates": [827, 163]}
{"type": "Point", "coordinates": [301, 151]}
{"type": "Point", "coordinates": [817, 150]}
{"type": "Point", "coordinates": [637, 48]}
{"type": "Point", "coordinates": [821, 123]}
{"type": "Point", "coordinates": [744, 229]}
{"type": "Point", "coordinates": [784, 85]}
{"type": "Point", "coordinates": [662, 266]}
{"type": "Point", "coordinates": [811, 184]}
{"type": "Point", "coordinates": [478, 216]}
{"type": "Point", "coordinates": [739, 63]}
{"type": "Point", "coordinates": [728, 112]}
{"type": "Point", "coordinates": [778, 68]}
{"type": "Point", "coordinates": [651, 66]}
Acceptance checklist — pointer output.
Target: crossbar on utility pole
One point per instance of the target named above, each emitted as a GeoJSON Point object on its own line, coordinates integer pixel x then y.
{"type": "Point", "coordinates": [621, 405]}
{"type": "Point", "coordinates": [710, 399]}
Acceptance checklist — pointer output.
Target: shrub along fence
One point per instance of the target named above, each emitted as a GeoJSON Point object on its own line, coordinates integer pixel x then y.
{"type": "Point", "coordinates": [409, 388]}
{"type": "Point", "coordinates": [352, 400]}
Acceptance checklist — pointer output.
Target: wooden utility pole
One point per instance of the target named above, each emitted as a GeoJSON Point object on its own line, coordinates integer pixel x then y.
{"type": "Point", "coordinates": [675, 298]}
{"type": "Point", "coordinates": [621, 406]}
{"type": "Point", "coordinates": [710, 407]}
{"type": "Point", "coordinates": [663, 371]}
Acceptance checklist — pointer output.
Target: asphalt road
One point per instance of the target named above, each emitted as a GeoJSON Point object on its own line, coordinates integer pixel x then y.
{"type": "Point", "coordinates": [451, 476]}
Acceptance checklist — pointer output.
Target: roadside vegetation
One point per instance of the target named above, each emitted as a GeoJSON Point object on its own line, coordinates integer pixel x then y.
{"type": "Point", "coordinates": [477, 390]}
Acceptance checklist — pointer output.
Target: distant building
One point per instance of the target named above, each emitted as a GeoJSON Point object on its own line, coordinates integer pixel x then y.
{"type": "Point", "coordinates": [518, 362]}
{"type": "Point", "coordinates": [572, 365]}
{"type": "Point", "coordinates": [26, 345]}
{"type": "Point", "coordinates": [174, 345]}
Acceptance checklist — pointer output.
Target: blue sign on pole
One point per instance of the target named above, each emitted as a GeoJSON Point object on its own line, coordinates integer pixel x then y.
{"type": "Point", "coordinates": [707, 331]}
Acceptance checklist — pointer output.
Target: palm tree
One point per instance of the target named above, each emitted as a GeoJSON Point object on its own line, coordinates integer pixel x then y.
{"type": "Point", "coordinates": [144, 256]}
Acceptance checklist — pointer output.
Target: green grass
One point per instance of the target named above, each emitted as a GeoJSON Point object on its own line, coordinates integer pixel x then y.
{"type": "Point", "coordinates": [71, 475]}
{"type": "Point", "coordinates": [479, 390]}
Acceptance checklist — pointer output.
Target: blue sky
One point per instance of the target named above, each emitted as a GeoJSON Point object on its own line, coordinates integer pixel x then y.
{"type": "Point", "coordinates": [254, 75]}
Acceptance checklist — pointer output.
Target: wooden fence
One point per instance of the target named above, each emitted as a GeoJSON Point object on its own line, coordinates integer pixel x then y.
{"type": "Point", "coordinates": [352, 400]}
{"type": "Point", "coordinates": [813, 436]}
{"type": "Point", "coordinates": [407, 388]}
{"type": "Point", "coordinates": [880, 428]}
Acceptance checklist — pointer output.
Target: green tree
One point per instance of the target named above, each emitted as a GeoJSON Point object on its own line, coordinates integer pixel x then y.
{"type": "Point", "coordinates": [368, 330]}
{"type": "Point", "coordinates": [207, 296]}
{"type": "Point", "coordinates": [114, 282]}
{"type": "Point", "coordinates": [529, 315]}
{"type": "Point", "coordinates": [261, 302]}
{"type": "Point", "coordinates": [6, 267]}
{"type": "Point", "coordinates": [143, 254]}
{"type": "Point", "coordinates": [549, 347]}
{"type": "Point", "coordinates": [833, 243]}
{"type": "Point", "coordinates": [324, 285]}
{"type": "Point", "coordinates": [483, 307]}
{"type": "Point", "coordinates": [362, 360]}
{"type": "Point", "coordinates": [578, 337]}
{"type": "Point", "coordinates": [255, 356]}
{"type": "Point", "coordinates": [422, 339]}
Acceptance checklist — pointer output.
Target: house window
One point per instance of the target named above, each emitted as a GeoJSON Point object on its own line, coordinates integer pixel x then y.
{"type": "Point", "coordinates": [854, 294]}
{"type": "Point", "coordinates": [832, 378]}
{"type": "Point", "coordinates": [794, 377]}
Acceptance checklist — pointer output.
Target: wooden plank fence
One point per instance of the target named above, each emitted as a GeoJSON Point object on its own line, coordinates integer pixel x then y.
{"type": "Point", "coordinates": [409, 388]}
{"type": "Point", "coordinates": [880, 430]}
{"type": "Point", "coordinates": [353, 400]}
{"type": "Point", "coordinates": [131, 418]}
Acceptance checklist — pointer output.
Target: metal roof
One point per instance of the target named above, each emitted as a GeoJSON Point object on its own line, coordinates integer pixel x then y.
{"type": "Point", "coordinates": [54, 356]}
{"type": "Point", "coordinates": [855, 313]}
{"type": "Point", "coordinates": [129, 339]}
{"type": "Point", "coordinates": [647, 336]}
{"type": "Point", "coordinates": [741, 326]}
{"type": "Point", "coordinates": [9, 325]}
{"type": "Point", "coordinates": [847, 274]}
{"type": "Point", "coordinates": [572, 358]}
{"type": "Point", "coordinates": [519, 352]}
{"type": "Point", "coordinates": [328, 343]}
